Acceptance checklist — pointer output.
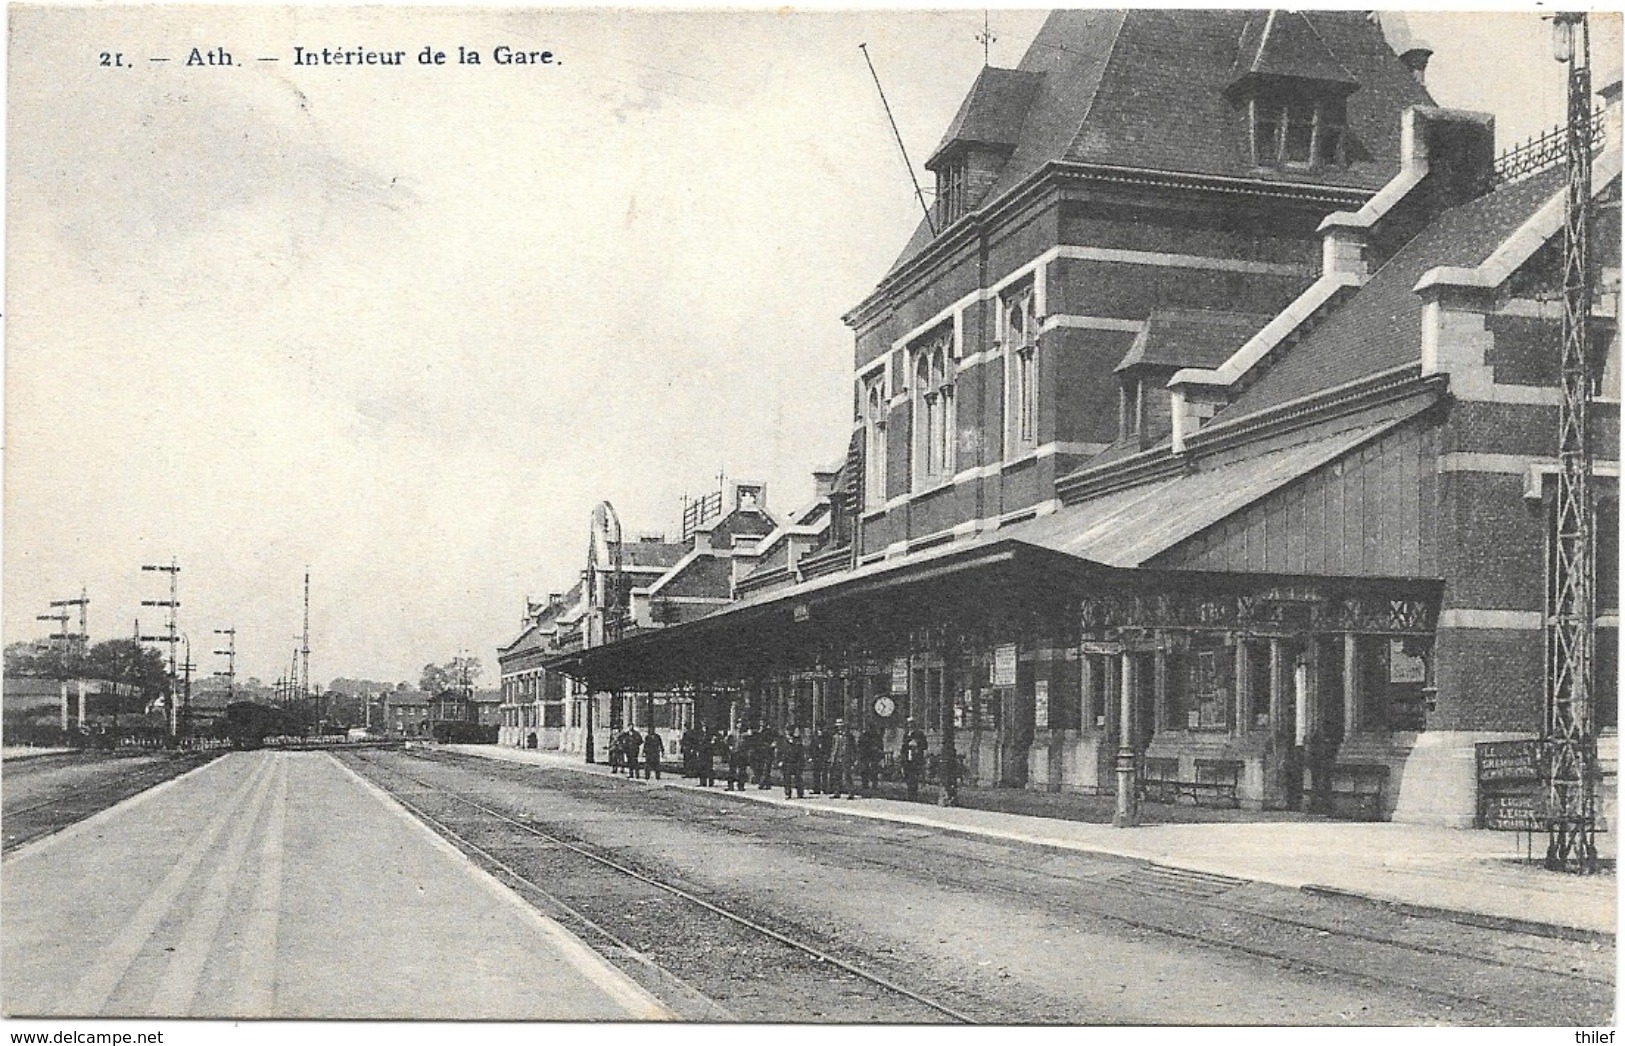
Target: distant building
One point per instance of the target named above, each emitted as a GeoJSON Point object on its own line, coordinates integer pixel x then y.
{"type": "Point", "coordinates": [406, 713]}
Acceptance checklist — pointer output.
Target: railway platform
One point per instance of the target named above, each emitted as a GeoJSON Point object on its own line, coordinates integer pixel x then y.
{"type": "Point", "coordinates": [280, 884]}
{"type": "Point", "coordinates": [1466, 875]}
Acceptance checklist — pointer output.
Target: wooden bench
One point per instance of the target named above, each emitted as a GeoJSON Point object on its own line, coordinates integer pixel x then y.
{"type": "Point", "coordinates": [1215, 785]}
{"type": "Point", "coordinates": [1357, 789]}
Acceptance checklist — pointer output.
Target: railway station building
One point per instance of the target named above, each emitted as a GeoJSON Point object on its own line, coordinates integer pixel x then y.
{"type": "Point", "coordinates": [1215, 404]}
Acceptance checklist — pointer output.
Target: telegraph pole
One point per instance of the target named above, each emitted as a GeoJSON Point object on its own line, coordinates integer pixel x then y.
{"type": "Point", "coordinates": [230, 654]}
{"type": "Point", "coordinates": [72, 643]}
{"type": "Point", "coordinates": [171, 635]}
{"type": "Point", "coordinates": [304, 642]}
{"type": "Point", "coordinates": [1570, 742]}
{"type": "Point", "coordinates": [186, 688]}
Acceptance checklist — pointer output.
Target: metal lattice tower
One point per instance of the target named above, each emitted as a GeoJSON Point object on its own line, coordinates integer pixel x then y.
{"type": "Point", "coordinates": [1570, 742]}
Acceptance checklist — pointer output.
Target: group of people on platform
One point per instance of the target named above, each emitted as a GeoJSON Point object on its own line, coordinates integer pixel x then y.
{"type": "Point", "coordinates": [834, 760]}
{"type": "Point", "coordinates": [632, 751]}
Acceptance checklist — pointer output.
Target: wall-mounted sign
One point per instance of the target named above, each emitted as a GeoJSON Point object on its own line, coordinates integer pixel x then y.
{"type": "Point", "coordinates": [899, 676]}
{"type": "Point", "coordinates": [1041, 704]}
{"type": "Point", "coordinates": [1004, 664]}
{"type": "Point", "coordinates": [800, 612]}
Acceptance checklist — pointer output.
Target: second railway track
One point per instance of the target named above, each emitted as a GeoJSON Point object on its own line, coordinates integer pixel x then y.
{"type": "Point", "coordinates": [1466, 970]}
{"type": "Point", "coordinates": [706, 958]}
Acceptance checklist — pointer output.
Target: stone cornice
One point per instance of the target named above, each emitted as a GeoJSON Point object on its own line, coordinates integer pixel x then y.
{"type": "Point", "coordinates": [1037, 186]}
{"type": "Point", "coordinates": [1376, 390]}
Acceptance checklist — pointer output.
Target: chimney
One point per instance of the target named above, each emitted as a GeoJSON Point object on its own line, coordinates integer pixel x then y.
{"type": "Point", "coordinates": [1416, 60]}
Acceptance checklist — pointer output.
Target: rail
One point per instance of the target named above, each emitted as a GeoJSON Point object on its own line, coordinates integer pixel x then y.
{"type": "Point", "coordinates": [1544, 152]}
{"type": "Point", "coordinates": [811, 950]}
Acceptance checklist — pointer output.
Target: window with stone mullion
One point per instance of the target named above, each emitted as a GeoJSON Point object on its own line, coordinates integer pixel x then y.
{"type": "Point", "coordinates": [1019, 336]}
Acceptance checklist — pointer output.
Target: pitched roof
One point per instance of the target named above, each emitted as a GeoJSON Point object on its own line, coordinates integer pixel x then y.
{"type": "Point", "coordinates": [1283, 43]}
{"type": "Point", "coordinates": [1146, 88]}
{"type": "Point", "coordinates": [662, 554]}
{"type": "Point", "coordinates": [1380, 327]}
{"type": "Point", "coordinates": [993, 112]}
{"type": "Point", "coordinates": [1128, 528]}
{"type": "Point", "coordinates": [1191, 338]}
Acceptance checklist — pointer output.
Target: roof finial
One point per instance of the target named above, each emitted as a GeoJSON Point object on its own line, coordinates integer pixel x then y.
{"type": "Point", "coordinates": [986, 38]}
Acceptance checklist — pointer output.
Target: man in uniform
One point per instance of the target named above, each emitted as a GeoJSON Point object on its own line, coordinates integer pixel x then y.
{"type": "Point", "coordinates": [687, 747]}
{"type": "Point", "coordinates": [631, 749]}
{"type": "Point", "coordinates": [652, 750]}
{"type": "Point", "coordinates": [818, 756]}
{"type": "Point", "coordinates": [792, 753]}
{"type": "Point", "coordinates": [705, 751]}
{"type": "Point", "coordinates": [766, 743]}
{"type": "Point", "coordinates": [913, 756]}
{"type": "Point", "coordinates": [738, 758]}
{"type": "Point", "coordinates": [843, 756]}
{"type": "Point", "coordinates": [871, 752]}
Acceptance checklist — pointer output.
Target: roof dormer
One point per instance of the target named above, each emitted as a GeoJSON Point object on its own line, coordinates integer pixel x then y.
{"type": "Point", "coordinates": [1295, 92]}
{"type": "Point", "coordinates": [980, 139]}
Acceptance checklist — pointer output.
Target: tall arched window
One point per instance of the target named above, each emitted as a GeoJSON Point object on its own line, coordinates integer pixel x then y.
{"type": "Point", "coordinates": [874, 448]}
{"type": "Point", "coordinates": [1019, 335]}
{"type": "Point", "coordinates": [934, 410]}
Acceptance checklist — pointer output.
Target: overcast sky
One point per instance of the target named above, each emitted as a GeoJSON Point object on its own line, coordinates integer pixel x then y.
{"type": "Point", "coordinates": [406, 326]}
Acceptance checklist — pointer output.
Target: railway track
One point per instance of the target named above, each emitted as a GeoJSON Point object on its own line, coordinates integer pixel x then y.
{"type": "Point", "coordinates": [715, 964]}
{"type": "Point", "coordinates": [1506, 975]}
{"type": "Point", "coordinates": [74, 801]}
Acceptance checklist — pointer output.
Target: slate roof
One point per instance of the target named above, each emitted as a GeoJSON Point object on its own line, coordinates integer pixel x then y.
{"type": "Point", "coordinates": [535, 634]}
{"type": "Point", "coordinates": [1130, 527]}
{"type": "Point", "coordinates": [1191, 338]}
{"type": "Point", "coordinates": [993, 112]}
{"type": "Point", "coordinates": [662, 554]}
{"type": "Point", "coordinates": [1283, 43]}
{"type": "Point", "coordinates": [1127, 528]}
{"type": "Point", "coordinates": [1380, 327]}
{"type": "Point", "coordinates": [1147, 89]}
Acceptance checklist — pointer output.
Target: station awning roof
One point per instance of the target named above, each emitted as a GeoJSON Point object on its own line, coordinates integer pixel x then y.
{"type": "Point", "coordinates": [1099, 544]}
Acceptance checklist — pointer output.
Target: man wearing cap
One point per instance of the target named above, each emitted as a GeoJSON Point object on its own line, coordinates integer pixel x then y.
{"type": "Point", "coordinates": [818, 743]}
{"type": "Point", "coordinates": [912, 757]}
{"type": "Point", "coordinates": [843, 756]}
{"type": "Point", "coordinates": [792, 753]}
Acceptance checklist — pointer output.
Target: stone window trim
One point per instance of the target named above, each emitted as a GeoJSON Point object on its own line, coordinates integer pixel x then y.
{"type": "Point", "coordinates": [876, 406]}
{"type": "Point", "coordinates": [933, 372]}
{"type": "Point", "coordinates": [1016, 335]}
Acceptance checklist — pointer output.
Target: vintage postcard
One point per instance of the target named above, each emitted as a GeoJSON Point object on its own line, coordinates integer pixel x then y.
{"type": "Point", "coordinates": [788, 517]}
